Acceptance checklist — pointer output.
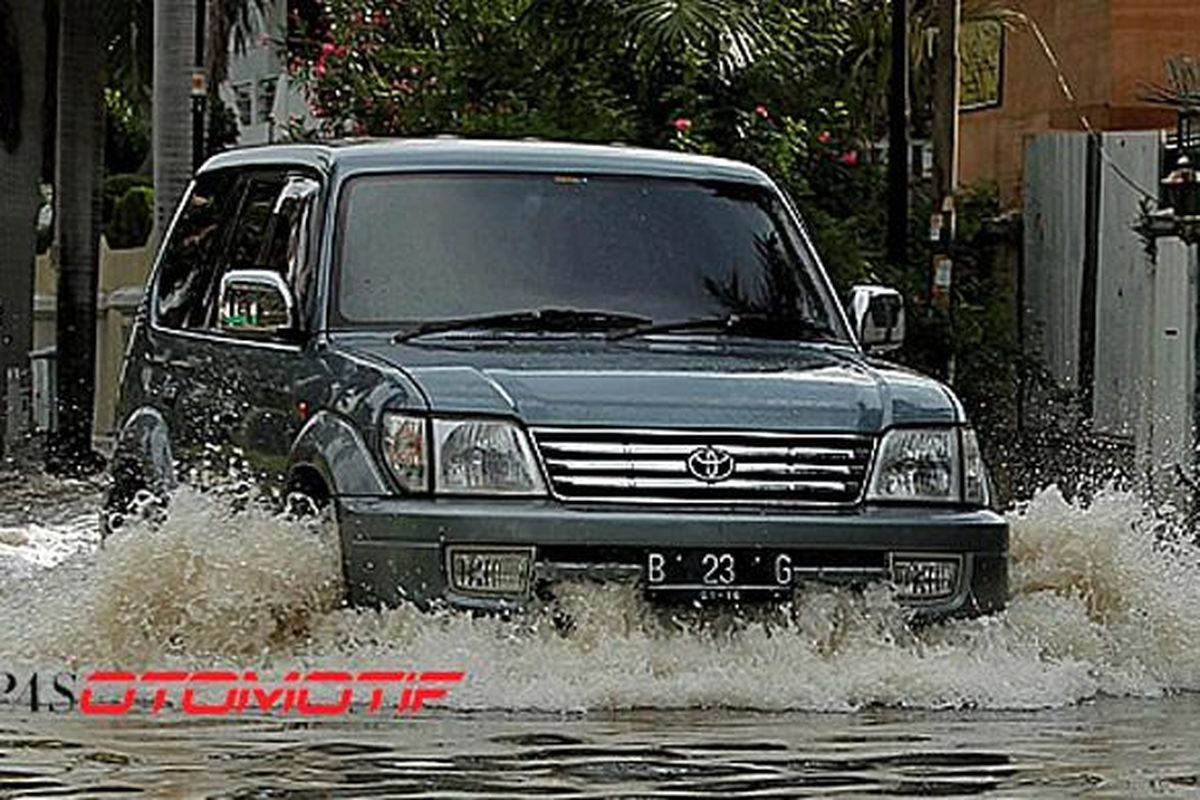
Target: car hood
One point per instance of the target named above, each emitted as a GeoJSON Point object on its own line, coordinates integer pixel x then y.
{"type": "Point", "coordinates": [640, 383]}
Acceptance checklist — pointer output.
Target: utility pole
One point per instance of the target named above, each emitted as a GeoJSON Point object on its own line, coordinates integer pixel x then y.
{"type": "Point", "coordinates": [946, 98]}
{"type": "Point", "coordinates": [943, 225]}
{"type": "Point", "coordinates": [898, 125]}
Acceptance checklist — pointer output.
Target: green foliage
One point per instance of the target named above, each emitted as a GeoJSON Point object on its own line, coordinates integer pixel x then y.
{"type": "Point", "coordinates": [132, 218]}
{"type": "Point", "coordinates": [116, 186]}
{"type": "Point", "coordinates": [761, 81]}
{"type": "Point", "coordinates": [128, 210]}
{"type": "Point", "coordinates": [126, 133]}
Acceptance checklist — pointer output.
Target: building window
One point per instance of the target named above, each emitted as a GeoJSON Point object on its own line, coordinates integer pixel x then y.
{"type": "Point", "coordinates": [982, 81]}
{"type": "Point", "coordinates": [244, 101]}
{"type": "Point", "coordinates": [266, 98]}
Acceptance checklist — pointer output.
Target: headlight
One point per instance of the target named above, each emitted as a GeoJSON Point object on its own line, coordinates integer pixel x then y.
{"type": "Point", "coordinates": [975, 482]}
{"type": "Point", "coordinates": [405, 450]}
{"type": "Point", "coordinates": [917, 464]}
{"type": "Point", "coordinates": [477, 456]}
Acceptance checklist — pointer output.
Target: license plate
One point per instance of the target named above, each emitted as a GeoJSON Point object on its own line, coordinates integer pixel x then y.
{"type": "Point", "coordinates": [718, 573]}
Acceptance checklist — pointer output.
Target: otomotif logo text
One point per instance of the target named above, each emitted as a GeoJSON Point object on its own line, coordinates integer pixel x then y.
{"type": "Point", "coordinates": [229, 693]}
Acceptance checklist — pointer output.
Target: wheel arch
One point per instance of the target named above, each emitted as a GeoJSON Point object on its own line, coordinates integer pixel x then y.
{"type": "Point", "coordinates": [330, 454]}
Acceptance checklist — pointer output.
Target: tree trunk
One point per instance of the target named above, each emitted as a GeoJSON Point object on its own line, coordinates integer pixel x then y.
{"type": "Point", "coordinates": [174, 57]}
{"type": "Point", "coordinates": [80, 164]}
{"type": "Point", "coordinates": [23, 42]}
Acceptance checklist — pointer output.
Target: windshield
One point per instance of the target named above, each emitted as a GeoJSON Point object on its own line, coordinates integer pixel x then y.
{"type": "Point", "coordinates": [422, 248]}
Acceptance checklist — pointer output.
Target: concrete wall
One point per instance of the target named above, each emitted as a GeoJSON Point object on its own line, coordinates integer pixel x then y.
{"type": "Point", "coordinates": [1125, 280]}
{"type": "Point", "coordinates": [1055, 180]}
{"type": "Point", "coordinates": [1145, 355]}
{"type": "Point", "coordinates": [1166, 429]}
{"type": "Point", "coordinates": [122, 277]}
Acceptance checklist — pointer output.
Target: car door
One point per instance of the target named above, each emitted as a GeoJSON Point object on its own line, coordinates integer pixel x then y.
{"type": "Point", "coordinates": [175, 362]}
{"type": "Point", "coordinates": [265, 382]}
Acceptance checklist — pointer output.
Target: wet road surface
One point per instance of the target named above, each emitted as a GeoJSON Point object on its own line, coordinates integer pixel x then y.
{"type": "Point", "coordinates": [1084, 686]}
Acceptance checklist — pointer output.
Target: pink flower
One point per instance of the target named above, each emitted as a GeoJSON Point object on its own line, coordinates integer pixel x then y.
{"type": "Point", "coordinates": [762, 111]}
{"type": "Point", "coordinates": [319, 68]}
{"type": "Point", "coordinates": [328, 49]}
{"type": "Point", "coordinates": [682, 124]}
{"type": "Point", "coordinates": [850, 158]}
{"type": "Point", "coordinates": [824, 137]}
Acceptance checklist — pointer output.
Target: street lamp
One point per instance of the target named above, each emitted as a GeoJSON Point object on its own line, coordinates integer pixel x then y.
{"type": "Point", "coordinates": [1181, 189]}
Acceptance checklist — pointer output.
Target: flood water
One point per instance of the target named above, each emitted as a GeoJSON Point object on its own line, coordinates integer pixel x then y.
{"type": "Point", "coordinates": [1085, 685]}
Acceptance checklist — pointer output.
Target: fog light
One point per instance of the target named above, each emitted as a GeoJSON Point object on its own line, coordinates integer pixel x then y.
{"type": "Point", "coordinates": [489, 570]}
{"type": "Point", "coordinates": [925, 578]}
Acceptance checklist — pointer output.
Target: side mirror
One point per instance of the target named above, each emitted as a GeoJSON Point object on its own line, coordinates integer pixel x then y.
{"type": "Point", "coordinates": [256, 302]}
{"type": "Point", "coordinates": [877, 314]}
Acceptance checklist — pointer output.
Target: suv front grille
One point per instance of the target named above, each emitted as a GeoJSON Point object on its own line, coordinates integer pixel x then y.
{"type": "Point", "coordinates": [702, 466]}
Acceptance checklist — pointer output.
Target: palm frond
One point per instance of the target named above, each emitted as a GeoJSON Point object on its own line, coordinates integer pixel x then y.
{"type": "Point", "coordinates": [1182, 89]}
{"type": "Point", "coordinates": [729, 31]}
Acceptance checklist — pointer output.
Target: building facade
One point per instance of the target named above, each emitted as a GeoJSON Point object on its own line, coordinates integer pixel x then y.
{"type": "Point", "coordinates": [259, 90]}
{"type": "Point", "coordinates": [1106, 52]}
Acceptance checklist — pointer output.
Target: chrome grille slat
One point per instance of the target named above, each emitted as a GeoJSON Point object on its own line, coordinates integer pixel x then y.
{"type": "Point", "coordinates": [671, 466]}
{"type": "Point", "coordinates": [650, 465]}
{"type": "Point", "coordinates": [614, 448]}
{"type": "Point", "coordinates": [733, 484]}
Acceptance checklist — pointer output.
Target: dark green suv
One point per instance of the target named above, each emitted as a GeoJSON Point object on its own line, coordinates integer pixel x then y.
{"type": "Point", "coordinates": [511, 364]}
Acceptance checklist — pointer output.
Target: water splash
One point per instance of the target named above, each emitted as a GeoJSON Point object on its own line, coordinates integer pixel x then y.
{"type": "Point", "coordinates": [1103, 603]}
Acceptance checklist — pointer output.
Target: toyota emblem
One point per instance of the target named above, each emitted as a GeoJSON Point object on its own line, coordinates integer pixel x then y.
{"type": "Point", "coordinates": [710, 465]}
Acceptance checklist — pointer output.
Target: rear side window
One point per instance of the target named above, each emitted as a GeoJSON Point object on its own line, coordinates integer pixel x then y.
{"type": "Point", "coordinates": [189, 261]}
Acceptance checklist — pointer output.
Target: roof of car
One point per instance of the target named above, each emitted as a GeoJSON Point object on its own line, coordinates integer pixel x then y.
{"type": "Point", "coordinates": [454, 154]}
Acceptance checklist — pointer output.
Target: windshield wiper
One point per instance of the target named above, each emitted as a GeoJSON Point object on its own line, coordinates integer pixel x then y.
{"type": "Point", "coordinates": [753, 324]}
{"type": "Point", "coordinates": [542, 319]}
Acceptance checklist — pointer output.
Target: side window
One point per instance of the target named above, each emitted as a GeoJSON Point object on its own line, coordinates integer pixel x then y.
{"type": "Point", "coordinates": [273, 230]}
{"type": "Point", "coordinates": [189, 260]}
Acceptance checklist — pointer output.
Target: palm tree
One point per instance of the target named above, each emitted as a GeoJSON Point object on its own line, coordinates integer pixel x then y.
{"type": "Point", "coordinates": [77, 197]}
{"type": "Point", "coordinates": [22, 76]}
{"type": "Point", "coordinates": [228, 22]}
{"type": "Point", "coordinates": [171, 143]}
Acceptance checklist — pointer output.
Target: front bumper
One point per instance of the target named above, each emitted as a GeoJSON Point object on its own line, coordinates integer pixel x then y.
{"type": "Point", "coordinates": [394, 549]}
